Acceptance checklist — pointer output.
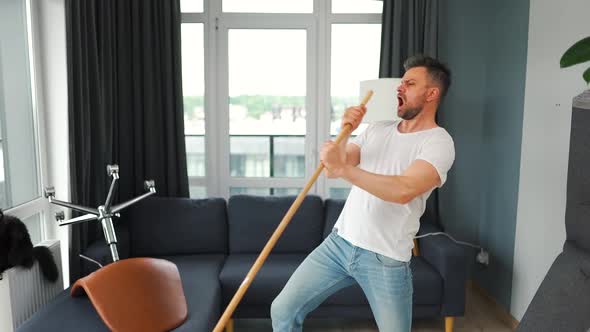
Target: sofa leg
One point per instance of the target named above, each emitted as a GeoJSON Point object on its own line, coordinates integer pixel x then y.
{"type": "Point", "coordinates": [230, 326]}
{"type": "Point", "coordinates": [449, 321]}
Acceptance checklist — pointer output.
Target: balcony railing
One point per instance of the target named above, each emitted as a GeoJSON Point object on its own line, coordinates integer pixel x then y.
{"type": "Point", "coordinates": [258, 156]}
{"type": "Point", "coordinates": [254, 155]}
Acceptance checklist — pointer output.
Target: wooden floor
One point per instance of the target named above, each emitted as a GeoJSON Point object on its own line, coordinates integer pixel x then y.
{"type": "Point", "coordinates": [479, 317]}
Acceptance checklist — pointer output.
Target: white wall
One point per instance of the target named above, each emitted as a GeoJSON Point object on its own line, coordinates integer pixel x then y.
{"type": "Point", "coordinates": [49, 24]}
{"type": "Point", "coordinates": [540, 228]}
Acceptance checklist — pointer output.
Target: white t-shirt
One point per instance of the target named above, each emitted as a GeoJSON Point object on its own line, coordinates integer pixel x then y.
{"type": "Point", "coordinates": [383, 227]}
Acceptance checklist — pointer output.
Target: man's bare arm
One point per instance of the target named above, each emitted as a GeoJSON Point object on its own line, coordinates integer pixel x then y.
{"type": "Point", "coordinates": [420, 177]}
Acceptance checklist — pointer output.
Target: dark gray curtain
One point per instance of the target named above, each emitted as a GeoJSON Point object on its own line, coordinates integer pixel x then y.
{"type": "Point", "coordinates": [125, 103]}
{"type": "Point", "coordinates": [408, 27]}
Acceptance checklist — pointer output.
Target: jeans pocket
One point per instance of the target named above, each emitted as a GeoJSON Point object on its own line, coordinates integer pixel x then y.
{"type": "Point", "coordinates": [389, 262]}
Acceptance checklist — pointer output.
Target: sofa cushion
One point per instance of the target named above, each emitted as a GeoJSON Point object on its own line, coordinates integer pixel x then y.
{"type": "Point", "coordinates": [427, 282]}
{"type": "Point", "coordinates": [269, 281]}
{"type": "Point", "coordinates": [253, 219]}
{"type": "Point", "coordinates": [278, 268]}
{"type": "Point", "coordinates": [178, 226]}
{"type": "Point", "coordinates": [200, 281]}
{"type": "Point", "coordinates": [199, 274]}
{"type": "Point", "coordinates": [561, 302]}
{"type": "Point", "coordinates": [65, 313]}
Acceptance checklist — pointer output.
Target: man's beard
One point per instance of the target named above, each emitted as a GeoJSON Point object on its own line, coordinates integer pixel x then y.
{"type": "Point", "coordinates": [410, 113]}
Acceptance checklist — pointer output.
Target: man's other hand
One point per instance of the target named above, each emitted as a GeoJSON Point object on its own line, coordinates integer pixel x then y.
{"type": "Point", "coordinates": [333, 158]}
{"type": "Point", "coordinates": [353, 115]}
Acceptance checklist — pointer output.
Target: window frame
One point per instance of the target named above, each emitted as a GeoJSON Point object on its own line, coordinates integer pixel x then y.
{"type": "Point", "coordinates": [38, 205]}
{"type": "Point", "coordinates": [331, 18]}
{"type": "Point", "coordinates": [217, 24]}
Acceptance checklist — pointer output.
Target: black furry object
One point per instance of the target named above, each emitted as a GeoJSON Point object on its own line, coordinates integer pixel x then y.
{"type": "Point", "coordinates": [16, 248]}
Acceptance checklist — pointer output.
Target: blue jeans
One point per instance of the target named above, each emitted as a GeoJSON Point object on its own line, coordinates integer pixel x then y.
{"type": "Point", "coordinates": [335, 264]}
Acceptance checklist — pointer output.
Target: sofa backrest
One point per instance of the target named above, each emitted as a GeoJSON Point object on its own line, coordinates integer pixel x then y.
{"type": "Point", "coordinates": [333, 208]}
{"type": "Point", "coordinates": [430, 214]}
{"type": "Point", "coordinates": [177, 226]}
{"type": "Point", "coordinates": [577, 210]}
{"type": "Point", "coordinates": [253, 219]}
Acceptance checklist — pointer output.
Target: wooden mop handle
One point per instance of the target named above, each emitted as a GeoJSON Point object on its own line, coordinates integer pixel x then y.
{"type": "Point", "coordinates": [278, 232]}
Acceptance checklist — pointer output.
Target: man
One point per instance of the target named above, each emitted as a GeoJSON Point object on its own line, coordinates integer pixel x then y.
{"type": "Point", "coordinates": [393, 167]}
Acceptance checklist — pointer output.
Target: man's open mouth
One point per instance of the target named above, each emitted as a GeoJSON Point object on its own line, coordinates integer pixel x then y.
{"type": "Point", "coordinates": [400, 101]}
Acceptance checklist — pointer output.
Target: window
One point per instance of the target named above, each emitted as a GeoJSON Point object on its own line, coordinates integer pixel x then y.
{"type": "Point", "coordinates": [20, 164]}
{"type": "Point", "coordinates": [33, 224]}
{"type": "Point", "coordinates": [193, 87]}
{"type": "Point", "coordinates": [349, 66]}
{"type": "Point", "coordinates": [357, 6]}
{"type": "Point", "coordinates": [268, 6]}
{"type": "Point", "coordinates": [265, 83]}
{"type": "Point", "coordinates": [265, 191]}
{"type": "Point", "coordinates": [191, 6]}
{"type": "Point", "coordinates": [339, 193]}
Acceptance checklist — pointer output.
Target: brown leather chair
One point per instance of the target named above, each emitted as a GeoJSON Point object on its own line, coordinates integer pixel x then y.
{"type": "Point", "coordinates": [136, 294]}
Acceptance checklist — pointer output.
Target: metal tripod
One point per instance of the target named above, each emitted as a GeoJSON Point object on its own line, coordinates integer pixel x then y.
{"type": "Point", "coordinates": [103, 213]}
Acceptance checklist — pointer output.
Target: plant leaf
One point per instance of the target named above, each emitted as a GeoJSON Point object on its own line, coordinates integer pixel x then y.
{"type": "Point", "coordinates": [577, 53]}
{"type": "Point", "coordinates": [586, 76]}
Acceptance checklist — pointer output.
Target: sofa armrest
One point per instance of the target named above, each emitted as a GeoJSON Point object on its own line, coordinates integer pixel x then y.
{"type": "Point", "coordinates": [450, 260]}
{"type": "Point", "coordinates": [100, 252]}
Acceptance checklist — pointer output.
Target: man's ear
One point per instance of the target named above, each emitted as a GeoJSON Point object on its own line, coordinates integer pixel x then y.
{"type": "Point", "coordinates": [433, 93]}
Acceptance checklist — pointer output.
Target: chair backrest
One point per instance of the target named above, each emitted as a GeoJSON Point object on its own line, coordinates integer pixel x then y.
{"type": "Point", "coordinates": [136, 294]}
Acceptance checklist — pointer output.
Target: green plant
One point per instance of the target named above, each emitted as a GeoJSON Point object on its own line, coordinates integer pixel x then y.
{"type": "Point", "coordinates": [577, 53]}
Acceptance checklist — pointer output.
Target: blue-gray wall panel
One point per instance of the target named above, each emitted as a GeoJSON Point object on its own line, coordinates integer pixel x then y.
{"type": "Point", "coordinates": [485, 44]}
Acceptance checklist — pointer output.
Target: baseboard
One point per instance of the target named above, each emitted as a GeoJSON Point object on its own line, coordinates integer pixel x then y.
{"type": "Point", "coordinates": [498, 309]}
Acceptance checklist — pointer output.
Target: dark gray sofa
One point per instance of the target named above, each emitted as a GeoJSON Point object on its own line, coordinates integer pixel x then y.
{"type": "Point", "coordinates": [214, 245]}
{"type": "Point", "coordinates": [562, 301]}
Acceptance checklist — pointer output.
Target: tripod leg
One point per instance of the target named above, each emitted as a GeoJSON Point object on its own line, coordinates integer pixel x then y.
{"type": "Point", "coordinates": [114, 251]}
{"type": "Point", "coordinates": [110, 236]}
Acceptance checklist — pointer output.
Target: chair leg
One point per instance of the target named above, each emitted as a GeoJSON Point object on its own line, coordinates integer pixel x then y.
{"type": "Point", "coordinates": [449, 321]}
{"type": "Point", "coordinates": [230, 326]}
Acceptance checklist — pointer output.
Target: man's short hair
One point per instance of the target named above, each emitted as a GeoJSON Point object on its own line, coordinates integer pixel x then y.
{"type": "Point", "coordinates": [438, 71]}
